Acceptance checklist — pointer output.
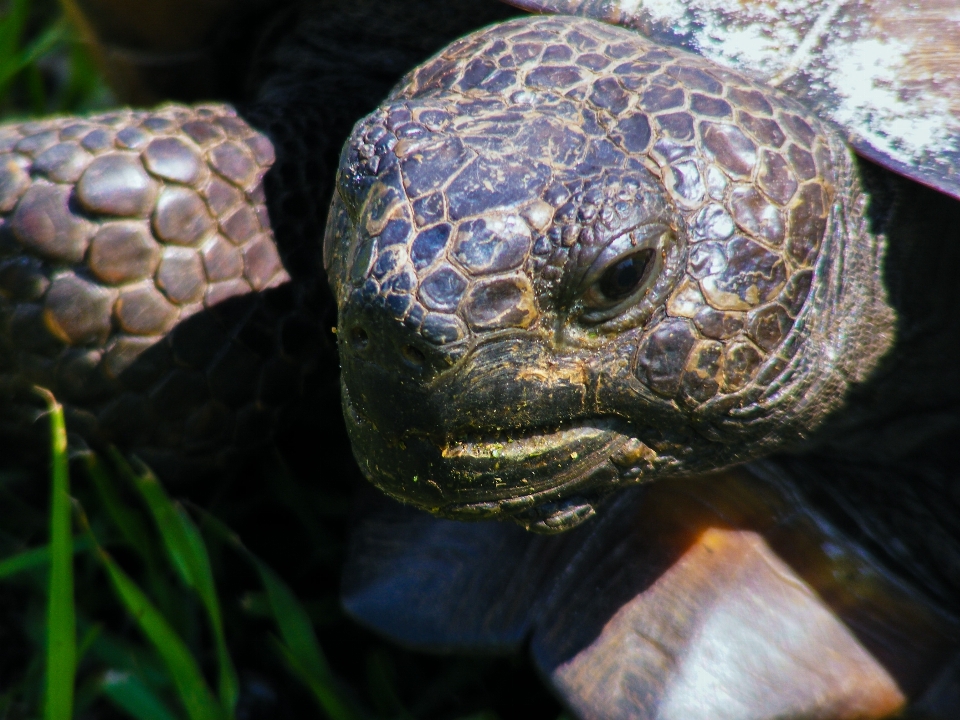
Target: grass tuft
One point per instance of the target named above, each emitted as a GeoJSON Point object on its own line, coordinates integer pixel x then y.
{"type": "Point", "coordinates": [297, 645]}
{"type": "Point", "coordinates": [189, 556]}
{"type": "Point", "coordinates": [182, 667]}
{"type": "Point", "coordinates": [44, 68]}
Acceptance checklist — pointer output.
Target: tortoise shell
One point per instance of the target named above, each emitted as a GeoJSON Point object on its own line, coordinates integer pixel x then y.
{"type": "Point", "coordinates": [886, 73]}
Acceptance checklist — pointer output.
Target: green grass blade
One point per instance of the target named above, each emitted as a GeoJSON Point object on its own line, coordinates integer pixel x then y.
{"type": "Point", "coordinates": [328, 699]}
{"type": "Point", "coordinates": [135, 533]}
{"type": "Point", "coordinates": [189, 556]}
{"type": "Point", "coordinates": [131, 695]}
{"type": "Point", "coordinates": [194, 693]}
{"type": "Point", "coordinates": [11, 31]}
{"type": "Point", "coordinates": [88, 639]}
{"type": "Point", "coordinates": [61, 614]}
{"type": "Point", "coordinates": [299, 647]}
{"type": "Point", "coordinates": [381, 686]}
{"type": "Point", "coordinates": [165, 517]}
{"type": "Point", "coordinates": [44, 43]}
{"type": "Point", "coordinates": [123, 654]}
{"type": "Point", "coordinates": [130, 523]}
{"type": "Point", "coordinates": [35, 558]}
{"type": "Point", "coordinates": [228, 684]}
{"type": "Point", "coordinates": [24, 60]}
{"type": "Point", "coordinates": [35, 50]}
{"type": "Point", "coordinates": [26, 560]}
{"type": "Point", "coordinates": [298, 635]}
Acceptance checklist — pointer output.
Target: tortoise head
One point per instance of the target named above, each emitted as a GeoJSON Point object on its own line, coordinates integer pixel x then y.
{"type": "Point", "coordinates": [568, 260]}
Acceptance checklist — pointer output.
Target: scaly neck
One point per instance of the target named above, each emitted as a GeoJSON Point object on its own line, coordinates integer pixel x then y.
{"type": "Point", "coordinates": [912, 398]}
{"type": "Point", "coordinates": [887, 464]}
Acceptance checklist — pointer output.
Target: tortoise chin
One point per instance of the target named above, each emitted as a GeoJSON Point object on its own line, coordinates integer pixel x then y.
{"type": "Point", "coordinates": [547, 479]}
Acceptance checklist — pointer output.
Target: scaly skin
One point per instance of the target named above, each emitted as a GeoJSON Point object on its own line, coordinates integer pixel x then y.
{"type": "Point", "coordinates": [486, 371]}
{"type": "Point", "coordinates": [136, 246]}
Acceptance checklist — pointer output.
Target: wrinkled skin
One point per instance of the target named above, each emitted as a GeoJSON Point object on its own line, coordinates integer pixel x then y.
{"type": "Point", "coordinates": [592, 262]}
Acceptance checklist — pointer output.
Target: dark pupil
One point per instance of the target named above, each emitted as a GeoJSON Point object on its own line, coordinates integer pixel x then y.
{"type": "Point", "coordinates": [623, 278]}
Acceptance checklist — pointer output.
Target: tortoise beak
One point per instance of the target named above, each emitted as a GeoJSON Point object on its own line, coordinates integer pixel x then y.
{"type": "Point", "coordinates": [428, 436]}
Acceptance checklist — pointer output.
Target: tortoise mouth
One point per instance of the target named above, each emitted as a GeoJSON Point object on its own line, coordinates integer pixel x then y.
{"type": "Point", "coordinates": [510, 472]}
{"type": "Point", "coordinates": [522, 446]}
{"type": "Point", "coordinates": [525, 474]}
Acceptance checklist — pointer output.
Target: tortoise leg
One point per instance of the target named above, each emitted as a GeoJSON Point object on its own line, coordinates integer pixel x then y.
{"type": "Point", "coordinates": [140, 280]}
{"type": "Point", "coordinates": [713, 597]}
{"type": "Point", "coordinates": [443, 585]}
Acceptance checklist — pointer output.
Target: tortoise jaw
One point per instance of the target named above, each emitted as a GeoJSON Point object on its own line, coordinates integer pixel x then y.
{"type": "Point", "coordinates": [546, 479]}
{"type": "Point", "coordinates": [486, 452]}
{"type": "Point", "coordinates": [573, 467]}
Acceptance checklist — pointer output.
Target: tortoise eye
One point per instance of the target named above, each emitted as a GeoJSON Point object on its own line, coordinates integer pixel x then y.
{"type": "Point", "coordinates": [626, 275]}
{"type": "Point", "coordinates": [621, 276]}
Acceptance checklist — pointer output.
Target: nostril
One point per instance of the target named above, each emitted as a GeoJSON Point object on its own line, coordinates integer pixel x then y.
{"type": "Point", "coordinates": [412, 355]}
{"type": "Point", "coordinates": [359, 338]}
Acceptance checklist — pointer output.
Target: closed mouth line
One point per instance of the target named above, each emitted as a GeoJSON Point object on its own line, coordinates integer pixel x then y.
{"type": "Point", "coordinates": [519, 445]}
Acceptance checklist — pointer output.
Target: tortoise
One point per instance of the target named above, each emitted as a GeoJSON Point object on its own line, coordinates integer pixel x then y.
{"type": "Point", "coordinates": [608, 261]}
{"type": "Point", "coordinates": [570, 259]}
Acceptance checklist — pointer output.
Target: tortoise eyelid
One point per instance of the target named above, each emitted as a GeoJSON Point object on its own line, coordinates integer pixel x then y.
{"type": "Point", "coordinates": [596, 309]}
{"type": "Point", "coordinates": [647, 236]}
